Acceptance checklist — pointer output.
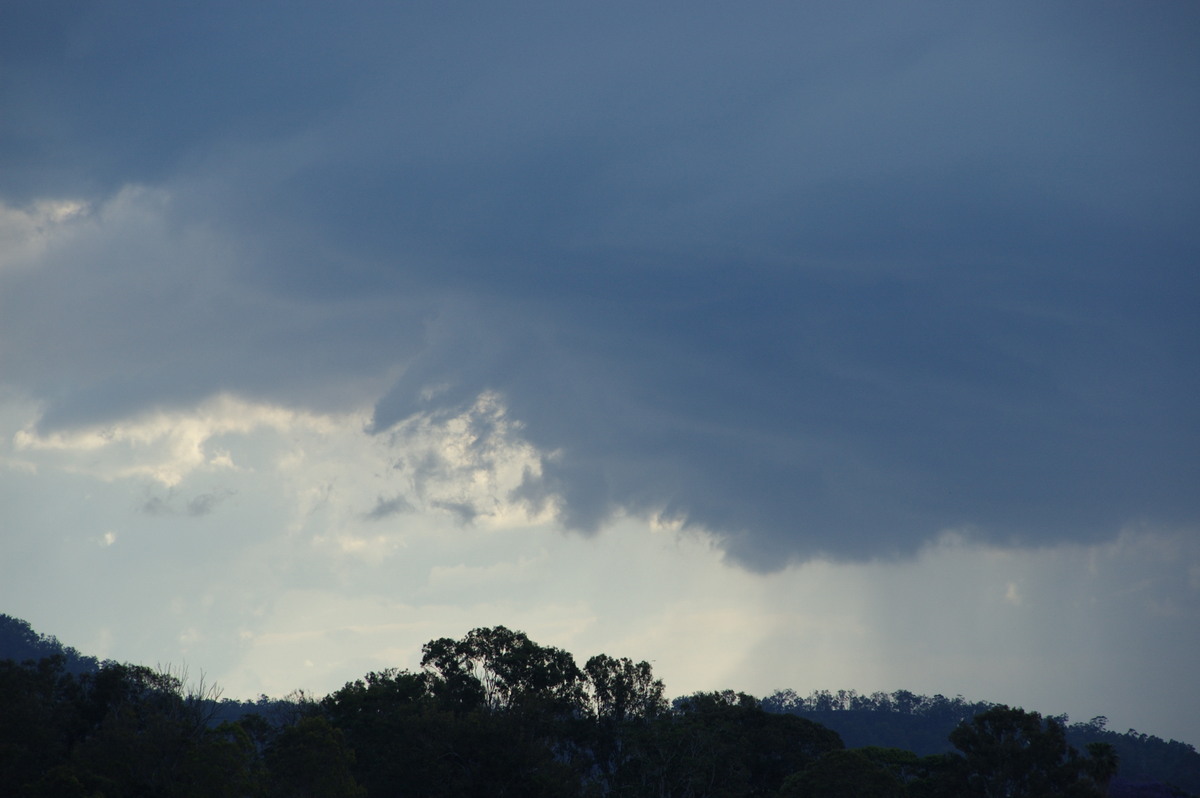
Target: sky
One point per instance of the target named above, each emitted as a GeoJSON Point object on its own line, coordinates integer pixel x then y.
{"type": "Point", "coordinates": [809, 346]}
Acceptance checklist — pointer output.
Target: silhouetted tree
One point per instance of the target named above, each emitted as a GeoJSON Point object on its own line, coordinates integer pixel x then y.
{"type": "Point", "coordinates": [620, 689]}
{"type": "Point", "coordinates": [501, 669]}
{"type": "Point", "coordinates": [1011, 753]}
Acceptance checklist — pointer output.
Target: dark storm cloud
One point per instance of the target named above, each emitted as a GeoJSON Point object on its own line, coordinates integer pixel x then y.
{"type": "Point", "coordinates": [820, 280]}
{"type": "Point", "coordinates": [385, 508]}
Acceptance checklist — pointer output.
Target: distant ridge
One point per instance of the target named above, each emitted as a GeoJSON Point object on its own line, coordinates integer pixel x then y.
{"type": "Point", "coordinates": [922, 724]}
{"type": "Point", "coordinates": [19, 642]}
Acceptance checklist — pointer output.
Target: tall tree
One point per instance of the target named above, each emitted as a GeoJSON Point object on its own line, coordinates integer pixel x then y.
{"type": "Point", "coordinates": [619, 689]}
{"type": "Point", "coordinates": [502, 669]}
{"type": "Point", "coordinates": [1011, 753]}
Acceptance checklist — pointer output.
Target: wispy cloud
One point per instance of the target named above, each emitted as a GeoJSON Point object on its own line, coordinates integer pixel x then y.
{"type": "Point", "coordinates": [169, 503]}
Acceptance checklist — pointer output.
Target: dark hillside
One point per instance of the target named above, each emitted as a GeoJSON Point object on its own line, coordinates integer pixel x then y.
{"type": "Point", "coordinates": [19, 642]}
{"type": "Point", "coordinates": [1144, 757]}
{"type": "Point", "coordinates": [916, 723]}
{"type": "Point", "coordinates": [922, 724]}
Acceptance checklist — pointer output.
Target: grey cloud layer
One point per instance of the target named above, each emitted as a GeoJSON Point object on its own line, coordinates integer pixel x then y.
{"type": "Point", "coordinates": [823, 281]}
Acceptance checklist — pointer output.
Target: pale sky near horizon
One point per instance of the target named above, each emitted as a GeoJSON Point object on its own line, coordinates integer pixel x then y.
{"type": "Point", "coordinates": [783, 345]}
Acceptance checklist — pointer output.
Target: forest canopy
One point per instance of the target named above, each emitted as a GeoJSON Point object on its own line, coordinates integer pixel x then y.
{"type": "Point", "coordinates": [496, 713]}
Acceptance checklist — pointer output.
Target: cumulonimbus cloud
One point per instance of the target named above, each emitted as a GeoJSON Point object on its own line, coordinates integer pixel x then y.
{"type": "Point", "coordinates": [817, 283]}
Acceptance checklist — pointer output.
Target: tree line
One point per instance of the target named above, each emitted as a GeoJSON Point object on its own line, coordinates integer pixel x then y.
{"type": "Point", "coordinates": [495, 714]}
{"type": "Point", "coordinates": [923, 724]}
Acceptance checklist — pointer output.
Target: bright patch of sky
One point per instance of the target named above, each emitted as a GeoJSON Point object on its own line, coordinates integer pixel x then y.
{"type": "Point", "coordinates": [248, 540]}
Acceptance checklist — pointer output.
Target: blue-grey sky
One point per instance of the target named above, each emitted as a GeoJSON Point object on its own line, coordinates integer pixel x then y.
{"type": "Point", "coordinates": [787, 345]}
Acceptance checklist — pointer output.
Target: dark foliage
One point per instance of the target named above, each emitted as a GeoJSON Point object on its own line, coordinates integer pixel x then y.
{"type": "Point", "coordinates": [1145, 759]}
{"type": "Point", "coordinates": [843, 774]}
{"type": "Point", "coordinates": [121, 730]}
{"type": "Point", "coordinates": [923, 724]}
{"type": "Point", "coordinates": [497, 714]}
